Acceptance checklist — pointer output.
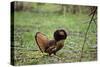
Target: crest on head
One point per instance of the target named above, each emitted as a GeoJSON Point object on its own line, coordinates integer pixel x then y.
{"type": "Point", "coordinates": [60, 34]}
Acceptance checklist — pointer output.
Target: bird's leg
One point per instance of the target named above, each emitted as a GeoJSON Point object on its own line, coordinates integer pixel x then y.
{"type": "Point", "coordinates": [54, 53]}
{"type": "Point", "coordinates": [50, 54]}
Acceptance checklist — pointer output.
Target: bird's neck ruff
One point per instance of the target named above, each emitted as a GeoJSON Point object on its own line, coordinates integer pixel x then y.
{"type": "Point", "coordinates": [60, 42]}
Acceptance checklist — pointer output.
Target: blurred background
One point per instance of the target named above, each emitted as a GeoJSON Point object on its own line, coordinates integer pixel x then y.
{"type": "Point", "coordinates": [30, 18]}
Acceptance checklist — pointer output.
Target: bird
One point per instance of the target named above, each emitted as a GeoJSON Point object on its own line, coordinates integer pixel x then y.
{"type": "Point", "coordinates": [51, 46]}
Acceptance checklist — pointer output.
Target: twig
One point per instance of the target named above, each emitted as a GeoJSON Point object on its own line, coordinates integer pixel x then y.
{"type": "Point", "coordinates": [81, 55]}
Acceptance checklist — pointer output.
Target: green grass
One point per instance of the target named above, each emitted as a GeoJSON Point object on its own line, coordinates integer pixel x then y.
{"type": "Point", "coordinates": [26, 24]}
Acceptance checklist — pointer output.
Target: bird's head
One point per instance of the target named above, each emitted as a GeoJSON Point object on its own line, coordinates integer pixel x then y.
{"type": "Point", "coordinates": [60, 34]}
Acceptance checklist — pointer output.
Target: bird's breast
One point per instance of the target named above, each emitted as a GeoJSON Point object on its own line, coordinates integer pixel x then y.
{"type": "Point", "coordinates": [60, 44]}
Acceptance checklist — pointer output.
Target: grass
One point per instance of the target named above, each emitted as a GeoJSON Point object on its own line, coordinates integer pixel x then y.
{"type": "Point", "coordinates": [26, 24]}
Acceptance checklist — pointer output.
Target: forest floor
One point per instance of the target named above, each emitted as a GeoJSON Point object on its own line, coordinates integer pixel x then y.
{"type": "Point", "coordinates": [26, 24]}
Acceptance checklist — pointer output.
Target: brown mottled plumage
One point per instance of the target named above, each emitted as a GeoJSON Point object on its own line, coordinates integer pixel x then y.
{"type": "Point", "coordinates": [51, 46]}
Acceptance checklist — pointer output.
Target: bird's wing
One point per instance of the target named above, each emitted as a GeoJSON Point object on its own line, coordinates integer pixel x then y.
{"type": "Point", "coordinates": [41, 41]}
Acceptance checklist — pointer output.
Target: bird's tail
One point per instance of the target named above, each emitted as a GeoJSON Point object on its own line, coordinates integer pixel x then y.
{"type": "Point", "coordinates": [41, 41]}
